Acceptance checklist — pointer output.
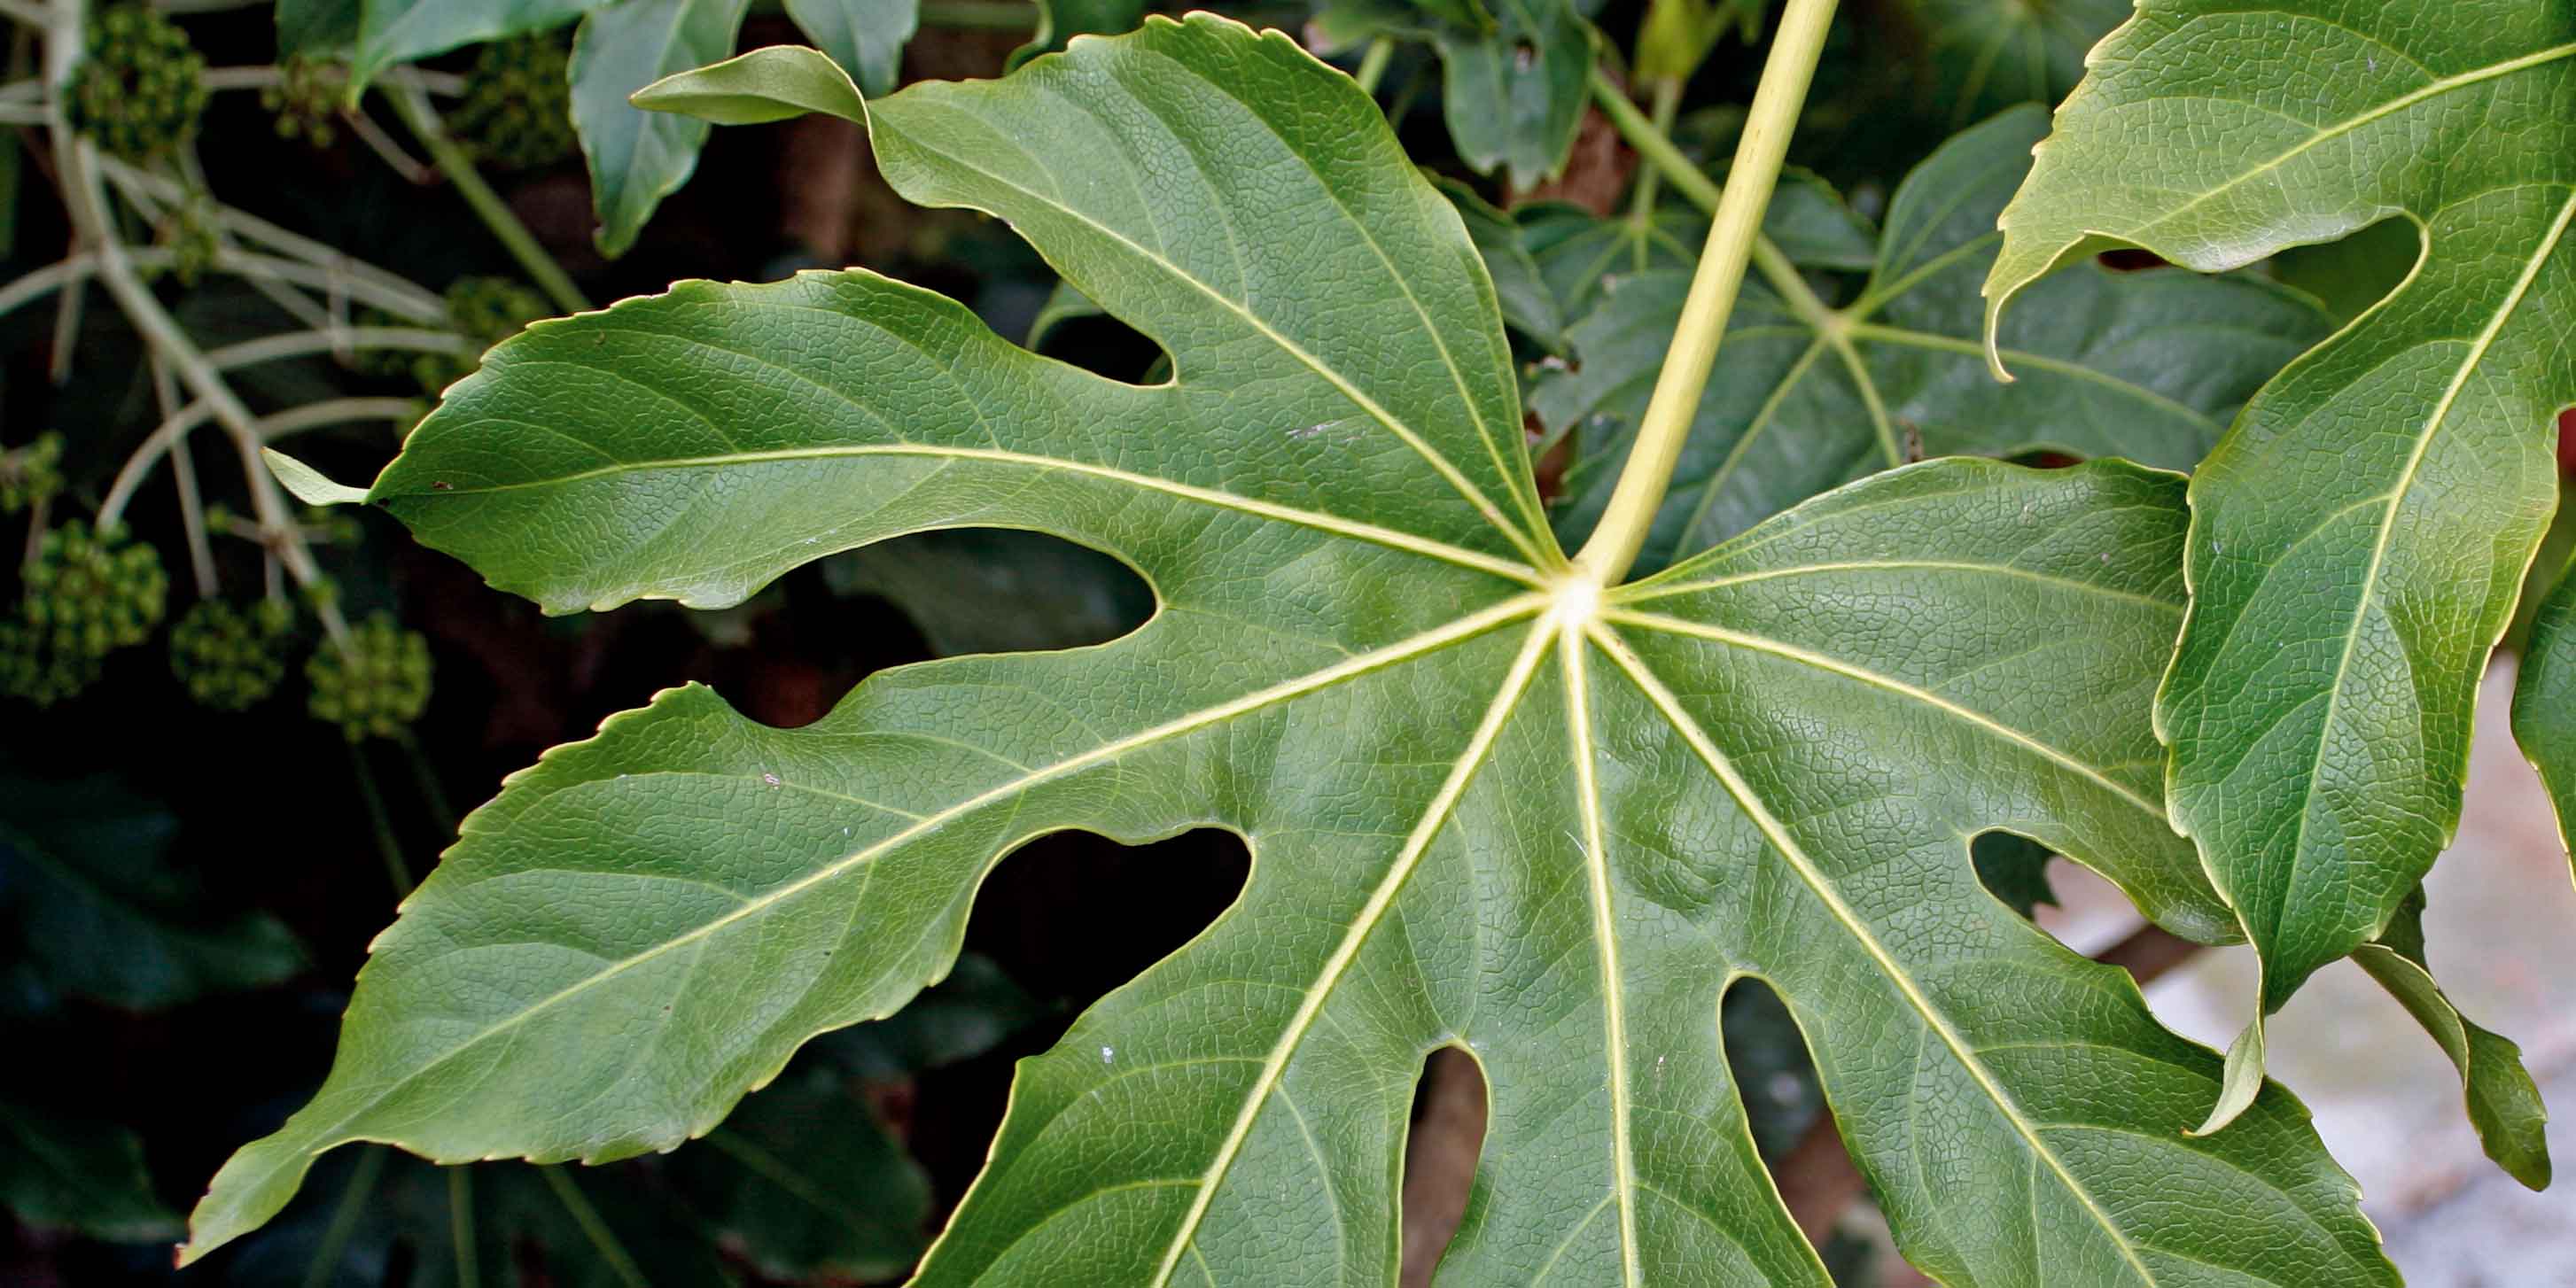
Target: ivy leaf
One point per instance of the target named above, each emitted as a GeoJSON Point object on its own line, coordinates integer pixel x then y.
{"type": "Point", "coordinates": [100, 913]}
{"type": "Point", "coordinates": [59, 1172]}
{"type": "Point", "coordinates": [1489, 804]}
{"type": "Point", "coordinates": [637, 157]}
{"type": "Point", "coordinates": [2503, 1102]}
{"type": "Point", "coordinates": [866, 37]}
{"type": "Point", "coordinates": [2145, 365]}
{"type": "Point", "coordinates": [1514, 95]}
{"type": "Point", "coordinates": [380, 33]}
{"type": "Point", "coordinates": [2544, 700]}
{"type": "Point", "coordinates": [2359, 540]}
{"type": "Point", "coordinates": [1991, 54]}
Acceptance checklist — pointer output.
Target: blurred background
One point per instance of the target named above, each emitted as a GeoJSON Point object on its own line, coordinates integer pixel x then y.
{"type": "Point", "coordinates": [205, 818]}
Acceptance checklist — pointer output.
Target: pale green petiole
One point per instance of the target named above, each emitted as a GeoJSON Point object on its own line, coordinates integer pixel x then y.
{"type": "Point", "coordinates": [1738, 222]}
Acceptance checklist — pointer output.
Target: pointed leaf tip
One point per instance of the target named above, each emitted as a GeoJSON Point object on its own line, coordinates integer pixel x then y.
{"type": "Point", "coordinates": [2240, 1083]}
{"type": "Point", "coordinates": [308, 483]}
{"type": "Point", "coordinates": [770, 84]}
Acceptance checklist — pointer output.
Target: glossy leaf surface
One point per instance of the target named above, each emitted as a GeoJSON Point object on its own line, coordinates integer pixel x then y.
{"type": "Point", "coordinates": [1487, 806]}
{"type": "Point", "coordinates": [2358, 541]}
{"type": "Point", "coordinates": [2144, 365]}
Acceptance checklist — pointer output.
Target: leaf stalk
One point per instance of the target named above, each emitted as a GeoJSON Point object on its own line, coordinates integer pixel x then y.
{"type": "Point", "coordinates": [1714, 285]}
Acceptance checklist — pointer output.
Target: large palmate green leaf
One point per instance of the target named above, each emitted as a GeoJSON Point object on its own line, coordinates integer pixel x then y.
{"type": "Point", "coordinates": [1489, 803]}
{"type": "Point", "coordinates": [2544, 700]}
{"type": "Point", "coordinates": [637, 157]}
{"type": "Point", "coordinates": [2359, 539]}
{"type": "Point", "coordinates": [2147, 365]}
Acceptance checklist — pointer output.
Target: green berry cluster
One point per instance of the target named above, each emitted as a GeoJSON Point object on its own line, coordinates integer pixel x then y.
{"type": "Point", "coordinates": [486, 311]}
{"type": "Point", "coordinates": [31, 474]}
{"type": "Point", "coordinates": [228, 657]}
{"type": "Point", "coordinates": [373, 685]}
{"type": "Point", "coordinates": [86, 595]}
{"type": "Point", "coordinates": [188, 233]}
{"type": "Point", "coordinates": [517, 111]}
{"type": "Point", "coordinates": [142, 85]}
{"type": "Point", "coordinates": [306, 99]}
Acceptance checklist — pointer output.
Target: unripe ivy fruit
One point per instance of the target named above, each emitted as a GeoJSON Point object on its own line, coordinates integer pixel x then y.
{"type": "Point", "coordinates": [373, 686]}
{"type": "Point", "coordinates": [517, 110]}
{"type": "Point", "coordinates": [188, 233]}
{"type": "Point", "coordinates": [306, 100]}
{"type": "Point", "coordinates": [228, 657]}
{"type": "Point", "coordinates": [31, 474]}
{"type": "Point", "coordinates": [86, 595]}
{"type": "Point", "coordinates": [93, 592]}
{"type": "Point", "coordinates": [141, 86]}
{"type": "Point", "coordinates": [31, 669]}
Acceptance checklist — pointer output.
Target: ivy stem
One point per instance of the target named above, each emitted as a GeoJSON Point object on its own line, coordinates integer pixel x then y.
{"type": "Point", "coordinates": [344, 1218]}
{"type": "Point", "coordinates": [1373, 64]}
{"type": "Point", "coordinates": [431, 793]}
{"type": "Point", "coordinates": [1736, 226]}
{"type": "Point", "coordinates": [183, 472]}
{"type": "Point", "coordinates": [1663, 157]}
{"type": "Point", "coordinates": [602, 1239]}
{"type": "Point", "coordinates": [460, 1225]}
{"type": "Point", "coordinates": [1668, 103]}
{"type": "Point", "coordinates": [413, 106]}
{"type": "Point", "coordinates": [389, 848]}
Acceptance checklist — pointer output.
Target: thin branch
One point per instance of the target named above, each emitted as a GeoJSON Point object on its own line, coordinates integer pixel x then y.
{"type": "Point", "coordinates": [84, 194]}
{"type": "Point", "coordinates": [62, 272]}
{"type": "Point", "coordinates": [299, 344]}
{"type": "Point", "coordinates": [1373, 64]}
{"type": "Point", "coordinates": [413, 106]}
{"type": "Point", "coordinates": [412, 169]}
{"type": "Point", "coordinates": [388, 847]}
{"type": "Point", "coordinates": [344, 1217]}
{"type": "Point", "coordinates": [335, 411]}
{"type": "Point", "coordinates": [147, 454]}
{"type": "Point", "coordinates": [183, 472]}
{"type": "Point", "coordinates": [68, 307]}
{"type": "Point", "coordinates": [422, 303]}
{"type": "Point", "coordinates": [261, 76]}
